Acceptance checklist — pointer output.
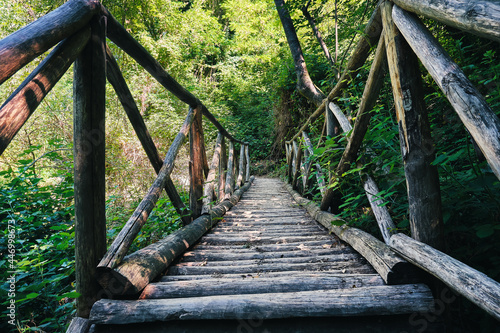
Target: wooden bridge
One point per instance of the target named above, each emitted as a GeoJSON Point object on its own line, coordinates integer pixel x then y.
{"type": "Point", "coordinates": [267, 262]}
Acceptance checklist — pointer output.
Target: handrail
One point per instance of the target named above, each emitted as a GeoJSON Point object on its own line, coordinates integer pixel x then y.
{"type": "Point", "coordinates": [392, 23]}
{"type": "Point", "coordinates": [80, 26]}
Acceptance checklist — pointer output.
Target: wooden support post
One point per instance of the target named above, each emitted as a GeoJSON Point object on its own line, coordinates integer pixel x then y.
{"type": "Point", "coordinates": [196, 165]}
{"type": "Point", "coordinates": [332, 129]}
{"type": "Point", "coordinates": [222, 170]}
{"type": "Point", "coordinates": [208, 191]}
{"type": "Point", "coordinates": [247, 159]}
{"type": "Point", "coordinates": [241, 166]}
{"type": "Point", "coordinates": [298, 161]}
{"type": "Point", "coordinates": [230, 172]}
{"type": "Point", "coordinates": [127, 100]}
{"type": "Point", "coordinates": [89, 164]}
{"type": "Point", "coordinates": [416, 144]}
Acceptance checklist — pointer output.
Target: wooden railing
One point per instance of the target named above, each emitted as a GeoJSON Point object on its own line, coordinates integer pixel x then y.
{"type": "Point", "coordinates": [79, 28]}
{"type": "Point", "coordinates": [403, 39]}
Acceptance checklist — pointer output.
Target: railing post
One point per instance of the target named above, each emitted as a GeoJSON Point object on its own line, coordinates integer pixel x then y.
{"type": "Point", "coordinates": [230, 172]}
{"type": "Point", "coordinates": [415, 136]}
{"type": "Point", "coordinates": [222, 170]}
{"type": "Point", "coordinates": [196, 164]}
{"type": "Point", "coordinates": [298, 161]}
{"type": "Point", "coordinates": [247, 159]}
{"type": "Point", "coordinates": [241, 166]}
{"type": "Point", "coordinates": [89, 164]}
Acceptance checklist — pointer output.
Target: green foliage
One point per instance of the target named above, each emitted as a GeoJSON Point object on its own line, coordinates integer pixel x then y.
{"type": "Point", "coordinates": [43, 260]}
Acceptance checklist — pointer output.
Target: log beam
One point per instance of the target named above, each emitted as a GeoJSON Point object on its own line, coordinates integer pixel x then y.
{"type": "Point", "coordinates": [480, 17]}
{"type": "Point", "coordinates": [480, 120]}
{"type": "Point", "coordinates": [23, 102]}
{"type": "Point", "coordinates": [474, 285]}
{"type": "Point", "coordinates": [24, 45]}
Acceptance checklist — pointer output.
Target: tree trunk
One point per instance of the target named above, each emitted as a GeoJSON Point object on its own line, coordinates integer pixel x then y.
{"type": "Point", "coordinates": [304, 83]}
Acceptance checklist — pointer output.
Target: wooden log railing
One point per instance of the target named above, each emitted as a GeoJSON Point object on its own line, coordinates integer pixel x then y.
{"type": "Point", "coordinates": [80, 28]}
{"type": "Point", "coordinates": [403, 40]}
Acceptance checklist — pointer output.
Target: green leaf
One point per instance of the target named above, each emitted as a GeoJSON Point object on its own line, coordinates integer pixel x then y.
{"type": "Point", "coordinates": [72, 294]}
{"type": "Point", "coordinates": [485, 231]}
{"type": "Point", "coordinates": [32, 295]}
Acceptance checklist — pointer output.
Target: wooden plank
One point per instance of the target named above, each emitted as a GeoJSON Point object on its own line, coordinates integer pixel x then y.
{"type": "Point", "coordinates": [392, 268]}
{"type": "Point", "coordinates": [344, 267]}
{"type": "Point", "coordinates": [417, 148]}
{"type": "Point", "coordinates": [481, 121]}
{"type": "Point", "coordinates": [336, 257]}
{"type": "Point", "coordinates": [297, 246]}
{"type": "Point", "coordinates": [474, 285]}
{"type": "Point", "coordinates": [122, 242]}
{"type": "Point", "coordinates": [201, 255]}
{"type": "Point", "coordinates": [89, 140]}
{"type": "Point", "coordinates": [139, 268]}
{"type": "Point", "coordinates": [375, 300]}
{"type": "Point", "coordinates": [16, 110]}
{"type": "Point", "coordinates": [127, 100]}
{"type": "Point", "coordinates": [260, 275]}
{"type": "Point", "coordinates": [239, 286]}
{"type": "Point", "coordinates": [24, 45]}
{"type": "Point", "coordinates": [480, 17]}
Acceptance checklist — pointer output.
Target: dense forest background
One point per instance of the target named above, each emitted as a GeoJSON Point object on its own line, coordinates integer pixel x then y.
{"type": "Point", "coordinates": [233, 55]}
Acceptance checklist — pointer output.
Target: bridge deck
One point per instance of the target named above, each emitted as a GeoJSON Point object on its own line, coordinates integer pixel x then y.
{"type": "Point", "coordinates": [266, 259]}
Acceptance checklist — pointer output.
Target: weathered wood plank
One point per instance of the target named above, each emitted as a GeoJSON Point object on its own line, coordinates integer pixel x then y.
{"type": "Point", "coordinates": [329, 257]}
{"type": "Point", "coordinates": [122, 242]}
{"type": "Point", "coordinates": [340, 267]}
{"type": "Point", "coordinates": [24, 45]}
{"type": "Point", "coordinates": [139, 268]}
{"type": "Point", "coordinates": [214, 255]}
{"type": "Point", "coordinates": [89, 107]}
{"type": "Point", "coordinates": [481, 121]}
{"type": "Point", "coordinates": [480, 17]}
{"type": "Point", "coordinates": [417, 149]}
{"type": "Point", "coordinates": [376, 300]}
{"type": "Point", "coordinates": [16, 110]}
{"type": "Point", "coordinates": [474, 285]}
{"type": "Point", "coordinates": [232, 286]}
{"type": "Point", "coordinates": [260, 275]}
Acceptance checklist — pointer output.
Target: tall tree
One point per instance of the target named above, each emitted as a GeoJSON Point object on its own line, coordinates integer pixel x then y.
{"type": "Point", "coordinates": [304, 83]}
